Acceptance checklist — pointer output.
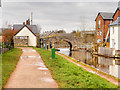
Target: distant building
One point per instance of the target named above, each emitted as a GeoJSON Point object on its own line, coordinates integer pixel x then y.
{"type": "Point", "coordinates": [48, 34]}
{"type": "Point", "coordinates": [87, 33]}
{"type": "Point", "coordinates": [103, 19]}
{"type": "Point", "coordinates": [60, 31]}
{"type": "Point", "coordinates": [27, 34]}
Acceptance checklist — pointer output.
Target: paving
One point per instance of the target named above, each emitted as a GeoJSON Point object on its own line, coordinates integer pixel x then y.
{"type": "Point", "coordinates": [31, 72]}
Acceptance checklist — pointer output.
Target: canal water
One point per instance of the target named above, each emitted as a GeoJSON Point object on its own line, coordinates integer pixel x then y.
{"type": "Point", "coordinates": [104, 64]}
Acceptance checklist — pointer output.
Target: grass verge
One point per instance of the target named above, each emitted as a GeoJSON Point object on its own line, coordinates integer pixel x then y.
{"type": "Point", "coordinates": [9, 61]}
{"type": "Point", "coordinates": [69, 75]}
{"type": "Point", "coordinates": [103, 73]}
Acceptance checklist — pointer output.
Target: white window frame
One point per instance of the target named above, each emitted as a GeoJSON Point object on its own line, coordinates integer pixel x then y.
{"type": "Point", "coordinates": [113, 43]}
{"type": "Point", "coordinates": [99, 40]}
{"type": "Point", "coordinates": [99, 23]}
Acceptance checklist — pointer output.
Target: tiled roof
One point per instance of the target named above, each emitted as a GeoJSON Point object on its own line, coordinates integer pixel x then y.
{"type": "Point", "coordinates": [31, 27]}
{"type": "Point", "coordinates": [106, 15]}
{"type": "Point", "coordinates": [117, 22]}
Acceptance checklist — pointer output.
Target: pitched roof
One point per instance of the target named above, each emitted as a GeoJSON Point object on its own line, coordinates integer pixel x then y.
{"type": "Point", "coordinates": [47, 33]}
{"type": "Point", "coordinates": [33, 28]}
{"type": "Point", "coordinates": [116, 11]}
{"type": "Point", "coordinates": [28, 29]}
{"type": "Point", "coordinates": [117, 22]}
{"type": "Point", "coordinates": [105, 15]}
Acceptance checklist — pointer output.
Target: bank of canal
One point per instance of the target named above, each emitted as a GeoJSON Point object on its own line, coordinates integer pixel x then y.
{"type": "Point", "coordinates": [69, 75]}
{"type": "Point", "coordinates": [104, 64]}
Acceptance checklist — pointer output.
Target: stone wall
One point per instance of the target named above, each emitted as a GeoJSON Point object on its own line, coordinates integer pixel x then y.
{"type": "Point", "coordinates": [20, 42]}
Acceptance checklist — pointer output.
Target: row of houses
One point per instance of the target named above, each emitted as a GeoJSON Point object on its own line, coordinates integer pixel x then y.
{"type": "Point", "coordinates": [108, 28]}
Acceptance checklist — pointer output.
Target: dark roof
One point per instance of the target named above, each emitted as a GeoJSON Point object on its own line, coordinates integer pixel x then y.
{"type": "Point", "coordinates": [105, 15]}
{"type": "Point", "coordinates": [23, 27]}
{"type": "Point", "coordinates": [117, 22]}
{"type": "Point", "coordinates": [33, 28]}
{"type": "Point", "coordinates": [47, 33]}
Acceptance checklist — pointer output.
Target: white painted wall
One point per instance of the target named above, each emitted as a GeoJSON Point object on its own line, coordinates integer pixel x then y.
{"type": "Point", "coordinates": [31, 37]}
{"type": "Point", "coordinates": [119, 38]}
{"type": "Point", "coordinates": [115, 36]}
{"type": "Point", "coordinates": [114, 70]}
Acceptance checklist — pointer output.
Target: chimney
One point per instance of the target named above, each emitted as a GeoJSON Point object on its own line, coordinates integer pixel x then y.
{"type": "Point", "coordinates": [28, 22]}
{"type": "Point", "coordinates": [23, 23]}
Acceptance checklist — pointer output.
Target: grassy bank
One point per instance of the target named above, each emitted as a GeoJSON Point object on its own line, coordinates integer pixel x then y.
{"type": "Point", "coordinates": [69, 75]}
{"type": "Point", "coordinates": [9, 61]}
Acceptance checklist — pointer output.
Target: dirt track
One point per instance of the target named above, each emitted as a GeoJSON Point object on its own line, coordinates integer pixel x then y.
{"type": "Point", "coordinates": [31, 72]}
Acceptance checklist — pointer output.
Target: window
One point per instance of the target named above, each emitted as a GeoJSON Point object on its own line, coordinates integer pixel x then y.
{"type": "Point", "coordinates": [21, 37]}
{"type": "Point", "coordinates": [99, 22]}
{"type": "Point", "coordinates": [100, 32]}
{"type": "Point", "coordinates": [113, 30]}
{"type": "Point", "coordinates": [99, 41]}
{"type": "Point", "coordinates": [97, 32]}
{"type": "Point", "coordinates": [113, 43]}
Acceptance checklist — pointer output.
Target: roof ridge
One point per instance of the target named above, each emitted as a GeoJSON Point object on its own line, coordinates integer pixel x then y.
{"type": "Point", "coordinates": [107, 12]}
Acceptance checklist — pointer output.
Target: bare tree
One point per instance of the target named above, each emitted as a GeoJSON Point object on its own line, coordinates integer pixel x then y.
{"type": "Point", "coordinates": [83, 23]}
{"type": "Point", "coordinates": [39, 29]}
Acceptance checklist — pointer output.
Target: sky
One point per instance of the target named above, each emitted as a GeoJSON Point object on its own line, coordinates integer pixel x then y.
{"type": "Point", "coordinates": [0, 15]}
{"type": "Point", "coordinates": [55, 15]}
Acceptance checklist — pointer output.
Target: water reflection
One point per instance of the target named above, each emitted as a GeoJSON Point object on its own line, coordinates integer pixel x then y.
{"type": "Point", "coordinates": [101, 63]}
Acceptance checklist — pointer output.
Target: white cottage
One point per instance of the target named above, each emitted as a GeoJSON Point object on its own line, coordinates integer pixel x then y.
{"type": "Point", "coordinates": [25, 36]}
{"type": "Point", "coordinates": [115, 34]}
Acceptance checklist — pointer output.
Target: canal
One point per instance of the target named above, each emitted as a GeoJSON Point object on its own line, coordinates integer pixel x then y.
{"type": "Point", "coordinates": [104, 64]}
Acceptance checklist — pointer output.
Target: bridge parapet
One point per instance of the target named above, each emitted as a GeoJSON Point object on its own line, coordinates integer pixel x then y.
{"type": "Point", "coordinates": [74, 42]}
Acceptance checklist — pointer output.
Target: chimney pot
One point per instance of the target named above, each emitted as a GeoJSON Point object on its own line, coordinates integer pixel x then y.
{"type": "Point", "coordinates": [28, 22]}
{"type": "Point", "coordinates": [23, 23]}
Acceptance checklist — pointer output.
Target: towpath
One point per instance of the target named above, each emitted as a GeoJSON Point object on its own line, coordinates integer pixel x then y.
{"type": "Point", "coordinates": [31, 72]}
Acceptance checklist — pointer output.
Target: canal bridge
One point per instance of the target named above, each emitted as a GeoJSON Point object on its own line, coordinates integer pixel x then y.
{"type": "Point", "coordinates": [72, 40]}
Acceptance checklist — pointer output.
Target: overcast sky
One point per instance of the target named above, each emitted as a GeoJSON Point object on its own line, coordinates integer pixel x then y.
{"type": "Point", "coordinates": [55, 15]}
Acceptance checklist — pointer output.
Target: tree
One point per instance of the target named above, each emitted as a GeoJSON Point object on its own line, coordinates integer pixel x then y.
{"type": "Point", "coordinates": [85, 26]}
{"type": "Point", "coordinates": [8, 35]}
{"type": "Point", "coordinates": [39, 29]}
{"type": "Point", "coordinates": [83, 23]}
{"type": "Point", "coordinates": [61, 31]}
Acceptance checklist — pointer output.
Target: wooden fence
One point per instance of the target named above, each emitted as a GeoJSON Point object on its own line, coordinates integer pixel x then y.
{"type": "Point", "coordinates": [5, 47]}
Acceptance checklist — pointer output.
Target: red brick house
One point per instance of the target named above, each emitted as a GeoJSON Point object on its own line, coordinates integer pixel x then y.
{"type": "Point", "coordinates": [103, 19]}
{"type": "Point", "coordinates": [116, 14]}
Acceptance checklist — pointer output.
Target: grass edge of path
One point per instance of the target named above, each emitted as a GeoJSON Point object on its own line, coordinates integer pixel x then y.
{"type": "Point", "coordinates": [52, 71]}
{"type": "Point", "coordinates": [88, 66]}
{"type": "Point", "coordinates": [9, 61]}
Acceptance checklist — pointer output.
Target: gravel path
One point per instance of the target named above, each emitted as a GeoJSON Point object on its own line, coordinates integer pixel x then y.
{"type": "Point", "coordinates": [31, 72]}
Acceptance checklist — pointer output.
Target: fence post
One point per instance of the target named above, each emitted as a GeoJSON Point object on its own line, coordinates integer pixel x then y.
{"type": "Point", "coordinates": [44, 45]}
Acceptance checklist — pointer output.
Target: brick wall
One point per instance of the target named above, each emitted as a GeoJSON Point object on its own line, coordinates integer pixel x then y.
{"type": "Point", "coordinates": [103, 26]}
{"type": "Point", "coordinates": [116, 15]}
